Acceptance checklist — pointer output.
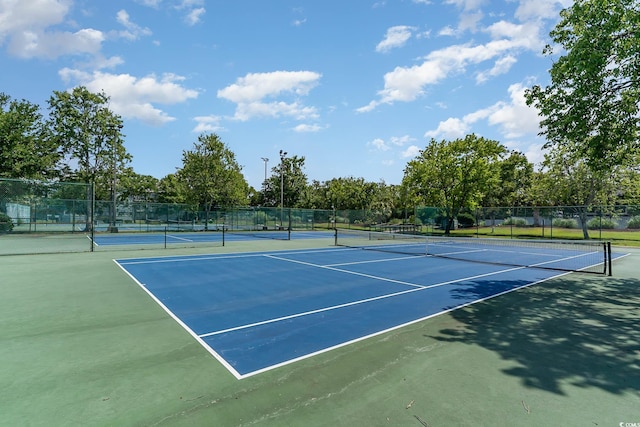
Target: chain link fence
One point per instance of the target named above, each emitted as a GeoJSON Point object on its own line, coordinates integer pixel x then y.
{"type": "Point", "coordinates": [619, 222]}
{"type": "Point", "coordinates": [44, 217]}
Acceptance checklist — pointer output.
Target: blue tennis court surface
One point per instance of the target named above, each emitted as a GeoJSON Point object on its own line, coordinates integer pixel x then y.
{"type": "Point", "coordinates": [170, 238]}
{"type": "Point", "coordinates": [258, 311]}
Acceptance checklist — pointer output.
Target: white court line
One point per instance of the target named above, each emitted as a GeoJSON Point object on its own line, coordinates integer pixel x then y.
{"type": "Point", "coordinates": [326, 267]}
{"type": "Point", "coordinates": [179, 238]}
{"type": "Point", "coordinates": [184, 325]}
{"type": "Point", "coordinates": [403, 258]}
{"type": "Point", "coordinates": [239, 376]}
{"type": "Point", "coordinates": [507, 251]}
{"type": "Point", "coordinates": [192, 258]}
{"type": "Point", "coordinates": [367, 300]}
{"type": "Point", "coordinates": [393, 328]}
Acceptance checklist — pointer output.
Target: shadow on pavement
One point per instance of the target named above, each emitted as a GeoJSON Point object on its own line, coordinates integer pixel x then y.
{"type": "Point", "coordinates": [578, 330]}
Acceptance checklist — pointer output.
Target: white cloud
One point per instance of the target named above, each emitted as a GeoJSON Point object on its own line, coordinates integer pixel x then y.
{"type": "Point", "coordinates": [399, 141]}
{"type": "Point", "coordinates": [514, 118]}
{"type": "Point", "coordinates": [306, 128]}
{"type": "Point", "coordinates": [251, 92]}
{"type": "Point", "coordinates": [195, 16]}
{"type": "Point", "coordinates": [207, 124]}
{"type": "Point", "coordinates": [533, 152]}
{"type": "Point", "coordinates": [406, 84]}
{"type": "Point", "coordinates": [501, 66]}
{"type": "Point", "coordinates": [24, 25]}
{"type": "Point", "coordinates": [379, 144]}
{"type": "Point", "coordinates": [536, 9]}
{"type": "Point", "coordinates": [466, 5]}
{"type": "Point", "coordinates": [132, 31]}
{"type": "Point", "coordinates": [411, 151]}
{"type": "Point", "coordinates": [194, 10]}
{"type": "Point", "coordinates": [469, 22]}
{"type": "Point", "coordinates": [396, 37]}
{"type": "Point", "coordinates": [451, 128]}
{"type": "Point", "coordinates": [447, 31]}
{"type": "Point", "coordinates": [149, 3]}
{"type": "Point", "coordinates": [34, 15]}
{"type": "Point", "coordinates": [51, 45]}
{"type": "Point", "coordinates": [133, 97]}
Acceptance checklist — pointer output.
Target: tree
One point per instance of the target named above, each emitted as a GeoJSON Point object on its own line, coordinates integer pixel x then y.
{"type": "Point", "coordinates": [349, 193]}
{"type": "Point", "coordinates": [26, 149]}
{"type": "Point", "coordinates": [90, 135]}
{"type": "Point", "coordinates": [593, 100]}
{"type": "Point", "coordinates": [211, 176]}
{"type": "Point", "coordinates": [171, 190]}
{"type": "Point", "coordinates": [290, 173]}
{"type": "Point", "coordinates": [137, 187]}
{"type": "Point", "coordinates": [453, 174]}
{"type": "Point", "coordinates": [512, 187]}
{"type": "Point", "coordinates": [568, 180]}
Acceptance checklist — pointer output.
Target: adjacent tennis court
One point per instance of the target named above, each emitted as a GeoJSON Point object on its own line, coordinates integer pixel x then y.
{"type": "Point", "coordinates": [259, 311]}
{"type": "Point", "coordinates": [170, 237]}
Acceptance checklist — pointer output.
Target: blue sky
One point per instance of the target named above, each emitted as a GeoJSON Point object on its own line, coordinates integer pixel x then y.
{"type": "Point", "coordinates": [357, 87]}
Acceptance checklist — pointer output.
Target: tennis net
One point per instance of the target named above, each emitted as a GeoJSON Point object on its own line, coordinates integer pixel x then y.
{"type": "Point", "coordinates": [574, 256]}
{"type": "Point", "coordinates": [260, 232]}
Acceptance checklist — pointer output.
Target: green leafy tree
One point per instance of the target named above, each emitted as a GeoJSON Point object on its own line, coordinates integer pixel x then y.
{"type": "Point", "coordinates": [593, 100]}
{"type": "Point", "coordinates": [136, 187]}
{"type": "Point", "coordinates": [315, 196]}
{"type": "Point", "coordinates": [211, 176]}
{"type": "Point", "coordinates": [171, 190]}
{"type": "Point", "coordinates": [349, 193]}
{"type": "Point", "coordinates": [629, 187]}
{"type": "Point", "coordinates": [512, 187]}
{"type": "Point", "coordinates": [453, 174]}
{"type": "Point", "coordinates": [90, 136]}
{"type": "Point", "coordinates": [290, 172]}
{"type": "Point", "coordinates": [568, 180]}
{"type": "Point", "coordinates": [26, 148]}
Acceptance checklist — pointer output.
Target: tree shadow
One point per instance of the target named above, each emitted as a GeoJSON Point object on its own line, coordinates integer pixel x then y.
{"type": "Point", "coordinates": [578, 330]}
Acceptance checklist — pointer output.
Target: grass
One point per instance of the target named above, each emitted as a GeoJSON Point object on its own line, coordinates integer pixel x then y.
{"type": "Point", "coordinates": [618, 237]}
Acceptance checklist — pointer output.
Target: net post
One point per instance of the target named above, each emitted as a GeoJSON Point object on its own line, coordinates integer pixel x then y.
{"type": "Point", "coordinates": [609, 263]}
{"type": "Point", "coordinates": [92, 216]}
{"type": "Point", "coordinates": [335, 236]}
{"type": "Point", "coordinates": [289, 226]}
{"type": "Point", "coordinates": [224, 232]}
{"type": "Point", "coordinates": [165, 237]}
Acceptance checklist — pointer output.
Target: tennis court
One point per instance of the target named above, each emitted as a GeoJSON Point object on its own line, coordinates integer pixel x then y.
{"type": "Point", "coordinates": [178, 237]}
{"type": "Point", "coordinates": [83, 344]}
{"type": "Point", "coordinates": [258, 311]}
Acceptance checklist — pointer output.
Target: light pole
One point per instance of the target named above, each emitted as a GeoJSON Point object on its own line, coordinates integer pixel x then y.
{"type": "Point", "coordinates": [264, 183]}
{"type": "Point", "coordinates": [283, 154]}
{"type": "Point", "coordinates": [113, 128]}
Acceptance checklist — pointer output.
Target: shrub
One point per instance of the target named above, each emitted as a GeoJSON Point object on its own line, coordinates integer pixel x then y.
{"type": "Point", "coordinates": [518, 222]}
{"type": "Point", "coordinates": [601, 223]}
{"type": "Point", "coordinates": [565, 223]}
{"type": "Point", "coordinates": [6, 225]}
{"type": "Point", "coordinates": [634, 222]}
{"type": "Point", "coordinates": [466, 220]}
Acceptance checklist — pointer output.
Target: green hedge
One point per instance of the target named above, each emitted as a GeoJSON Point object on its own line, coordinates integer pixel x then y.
{"type": "Point", "coordinates": [565, 223]}
{"type": "Point", "coordinates": [601, 224]}
{"type": "Point", "coordinates": [518, 222]}
{"type": "Point", "coordinates": [634, 222]}
{"type": "Point", "coordinates": [6, 225]}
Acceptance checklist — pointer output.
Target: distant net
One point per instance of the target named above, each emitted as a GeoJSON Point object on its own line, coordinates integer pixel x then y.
{"type": "Point", "coordinates": [189, 226]}
{"type": "Point", "coordinates": [259, 232]}
{"type": "Point", "coordinates": [562, 255]}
